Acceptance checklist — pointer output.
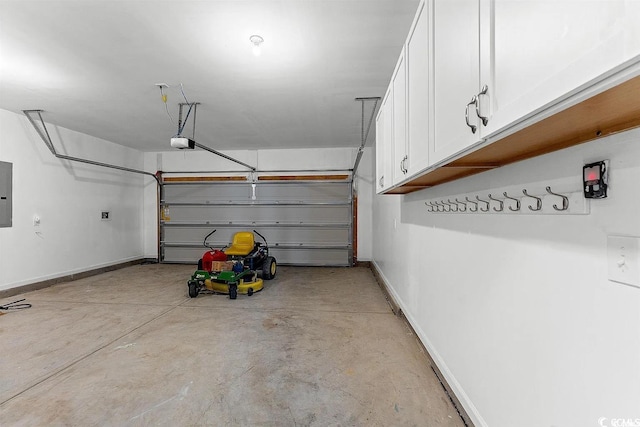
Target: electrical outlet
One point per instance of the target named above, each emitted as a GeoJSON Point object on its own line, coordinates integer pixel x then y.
{"type": "Point", "coordinates": [623, 259]}
{"type": "Point", "coordinates": [106, 215]}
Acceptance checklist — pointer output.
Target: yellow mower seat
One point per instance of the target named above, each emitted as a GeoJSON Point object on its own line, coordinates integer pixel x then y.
{"type": "Point", "coordinates": [242, 244]}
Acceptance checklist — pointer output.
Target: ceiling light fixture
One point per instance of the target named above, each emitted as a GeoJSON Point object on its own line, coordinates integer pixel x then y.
{"type": "Point", "coordinates": [256, 40]}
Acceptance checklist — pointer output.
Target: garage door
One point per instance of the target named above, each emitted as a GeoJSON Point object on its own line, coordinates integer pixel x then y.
{"type": "Point", "coordinates": [305, 220]}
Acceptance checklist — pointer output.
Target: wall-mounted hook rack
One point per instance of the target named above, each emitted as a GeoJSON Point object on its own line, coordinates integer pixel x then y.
{"type": "Point", "coordinates": [539, 200]}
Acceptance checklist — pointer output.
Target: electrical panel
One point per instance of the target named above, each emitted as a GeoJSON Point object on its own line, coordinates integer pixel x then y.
{"type": "Point", "coordinates": [6, 177]}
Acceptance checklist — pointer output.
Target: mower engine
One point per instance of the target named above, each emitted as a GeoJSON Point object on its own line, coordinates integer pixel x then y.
{"type": "Point", "coordinates": [256, 257]}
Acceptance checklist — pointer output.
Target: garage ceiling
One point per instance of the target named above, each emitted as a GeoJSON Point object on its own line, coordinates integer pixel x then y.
{"type": "Point", "coordinates": [93, 65]}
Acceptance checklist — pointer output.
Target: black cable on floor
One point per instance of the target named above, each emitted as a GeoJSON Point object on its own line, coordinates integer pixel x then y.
{"type": "Point", "coordinates": [15, 306]}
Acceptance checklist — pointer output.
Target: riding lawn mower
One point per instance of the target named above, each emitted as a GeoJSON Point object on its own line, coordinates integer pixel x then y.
{"type": "Point", "coordinates": [238, 268]}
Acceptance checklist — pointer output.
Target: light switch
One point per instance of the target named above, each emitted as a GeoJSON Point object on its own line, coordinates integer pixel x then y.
{"type": "Point", "coordinates": [623, 262]}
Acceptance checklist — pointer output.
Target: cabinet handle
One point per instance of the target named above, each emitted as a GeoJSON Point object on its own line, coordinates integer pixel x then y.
{"type": "Point", "coordinates": [483, 91]}
{"type": "Point", "coordinates": [403, 165]}
{"type": "Point", "coordinates": [473, 101]}
{"type": "Point", "coordinates": [381, 181]}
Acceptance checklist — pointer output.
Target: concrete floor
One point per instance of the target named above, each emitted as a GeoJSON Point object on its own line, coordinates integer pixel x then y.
{"type": "Point", "coordinates": [317, 347]}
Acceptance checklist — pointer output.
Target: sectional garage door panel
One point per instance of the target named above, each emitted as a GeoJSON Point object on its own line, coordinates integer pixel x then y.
{"type": "Point", "coordinates": [206, 192]}
{"type": "Point", "coordinates": [214, 192]}
{"type": "Point", "coordinates": [295, 191]}
{"type": "Point", "coordinates": [333, 257]}
{"type": "Point", "coordinates": [326, 257]}
{"type": "Point", "coordinates": [305, 222]}
{"type": "Point", "coordinates": [299, 236]}
{"type": "Point", "coordinates": [260, 214]}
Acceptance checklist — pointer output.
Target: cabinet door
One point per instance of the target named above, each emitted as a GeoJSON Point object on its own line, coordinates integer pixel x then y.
{"type": "Point", "coordinates": [384, 154]}
{"type": "Point", "coordinates": [418, 121]}
{"type": "Point", "coordinates": [384, 140]}
{"type": "Point", "coordinates": [538, 51]}
{"type": "Point", "coordinates": [399, 94]}
{"type": "Point", "coordinates": [456, 75]}
{"type": "Point", "coordinates": [380, 152]}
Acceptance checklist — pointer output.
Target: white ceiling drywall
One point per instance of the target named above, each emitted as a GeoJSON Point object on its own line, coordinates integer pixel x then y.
{"type": "Point", "coordinates": [92, 67]}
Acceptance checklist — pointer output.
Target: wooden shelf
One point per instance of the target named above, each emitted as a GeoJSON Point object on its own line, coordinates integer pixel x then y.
{"type": "Point", "coordinates": [612, 111]}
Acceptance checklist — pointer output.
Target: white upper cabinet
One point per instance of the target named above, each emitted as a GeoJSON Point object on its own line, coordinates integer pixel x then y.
{"type": "Point", "coordinates": [535, 52]}
{"type": "Point", "coordinates": [384, 140]}
{"type": "Point", "coordinates": [473, 72]}
{"type": "Point", "coordinates": [402, 125]}
{"type": "Point", "coordinates": [399, 98]}
{"type": "Point", "coordinates": [418, 92]}
{"type": "Point", "coordinates": [456, 76]}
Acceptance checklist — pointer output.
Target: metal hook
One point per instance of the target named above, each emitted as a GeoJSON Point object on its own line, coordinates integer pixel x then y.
{"type": "Point", "coordinates": [453, 204]}
{"type": "Point", "coordinates": [500, 209]}
{"type": "Point", "coordinates": [538, 201]}
{"type": "Point", "coordinates": [429, 206]}
{"type": "Point", "coordinates": [565, 200]}
{"type": "Point", "coordinates": [483, 201]}
{"type": "Point", "coordinates": [463, 204]}
{"type": "Point", "coordinates": [511, 208]}
{"type": "Point", "coordinates": [474, 203]}
{"type": "Point", "coordinates": [448, 207]}
{"type": "Point", "coordinates": [439, 207]}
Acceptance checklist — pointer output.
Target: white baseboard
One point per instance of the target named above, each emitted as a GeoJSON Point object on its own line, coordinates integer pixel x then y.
{"type": "Point", "coordinates": [65, 274]}
{"type": "Point", "coordinates": [452, 383]}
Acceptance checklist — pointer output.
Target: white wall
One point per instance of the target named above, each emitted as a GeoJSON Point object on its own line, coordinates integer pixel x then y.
{"type": "Point", "coordinates": [517, 309]}
{"type": "Point", "coordinates": [286, 159]}
{"type": "Point", "coordinates": [68, 197]}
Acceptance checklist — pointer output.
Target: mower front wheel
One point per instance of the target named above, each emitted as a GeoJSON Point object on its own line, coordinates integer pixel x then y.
{"type": "Point", "coordinates": [269, 268]}
{"type": "Point", "coordinates": [193, 289]}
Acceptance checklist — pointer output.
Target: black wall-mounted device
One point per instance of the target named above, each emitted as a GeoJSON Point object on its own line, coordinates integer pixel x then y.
{"type": "Point", "coordinates": [595, 179]}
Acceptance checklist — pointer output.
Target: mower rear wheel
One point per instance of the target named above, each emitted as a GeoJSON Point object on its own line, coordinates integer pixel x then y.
{"type": "Point", "coordinates": [193, 290]}
{"type": "Point", "coordinates": [233, 291]}
{"type": "Point", "coordinates": [269, 268]}
{"type": "Point", "coordinates": [200, 264]}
